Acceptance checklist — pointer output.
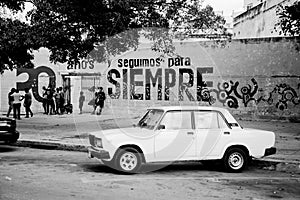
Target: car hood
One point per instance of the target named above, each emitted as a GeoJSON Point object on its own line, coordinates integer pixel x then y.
{"type": "Point", "coordinates": [132, 132]}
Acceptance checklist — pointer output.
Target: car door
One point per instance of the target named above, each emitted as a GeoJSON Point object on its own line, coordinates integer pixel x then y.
{"type": "Point", "coordinates": [175, 139]}
{"type": "Point", "coordinates": [212, 133]}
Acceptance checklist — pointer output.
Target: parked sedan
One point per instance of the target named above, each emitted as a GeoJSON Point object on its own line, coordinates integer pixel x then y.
{"type": "Point", "coordinates": [8, 132]}
{"type": "Point", "coordinates": [181, 133]}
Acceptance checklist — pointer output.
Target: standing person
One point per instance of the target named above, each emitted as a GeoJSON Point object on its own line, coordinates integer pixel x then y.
{"type": "Point", "coordinates": [62, 100]}
{"type": "Point", "coordinates": [50, 102]}
{"type": "Point", "coordinates": [17, 104]}
{"type": "Point", "coordinates": [57, 101]}
{"type": "Point", "coordinates": [81, 100]}
{"type": "Point", "coordinates": [100, 100]}
{"type": "Point", "coordinates": [10, 101]}
{"type": "Point", "coordinates": [45, 100]}
{"type": "Point", "coordinates": [27, 103]}
{"type": "Point", "coordinates": [97, 90]}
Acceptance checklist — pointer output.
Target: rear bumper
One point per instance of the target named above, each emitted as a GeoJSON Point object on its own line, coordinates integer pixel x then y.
{"type": "Point", "coordinates": [98, 153]}
{"type": "Point", "coordinates": [270, 151]}
{"type": "Point", "coordinates": [9, 136]}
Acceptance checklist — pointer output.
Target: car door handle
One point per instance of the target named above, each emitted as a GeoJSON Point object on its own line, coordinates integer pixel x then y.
{"type": "Point", "coordinates": [226, 133]}
{"type": "Point", "coordinates": [190, 133]}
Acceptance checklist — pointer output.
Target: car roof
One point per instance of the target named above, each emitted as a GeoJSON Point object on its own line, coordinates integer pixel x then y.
{"type": "Point", "coordinates": [224, 111]}
{"type": "Point", "coordinates": [186, 108]}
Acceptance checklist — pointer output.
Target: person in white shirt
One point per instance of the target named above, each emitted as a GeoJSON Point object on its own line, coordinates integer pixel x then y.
{"type": "Point", "coordinates": [17, 100]}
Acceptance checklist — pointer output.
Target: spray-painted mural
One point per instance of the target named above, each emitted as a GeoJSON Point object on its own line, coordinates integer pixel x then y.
{"type": "Point", "coordinates": [33, 80]}
{"type": "Point", "coordinates": [282, 95]}
{"type": "Point", "coordinates": [231, 94]}
{"type": "Point", "coordinates": [285, 95]}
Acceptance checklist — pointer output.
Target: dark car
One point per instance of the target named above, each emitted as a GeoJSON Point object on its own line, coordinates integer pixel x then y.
{"type": "Point", "coordinates": [8, 132]}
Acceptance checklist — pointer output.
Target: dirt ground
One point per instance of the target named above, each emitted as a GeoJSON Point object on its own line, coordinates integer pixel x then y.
{"type": "Point", "coordinates": [36, 174]}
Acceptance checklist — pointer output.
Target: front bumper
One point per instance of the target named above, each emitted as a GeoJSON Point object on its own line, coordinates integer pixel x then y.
{"type": "Point", "coordinates": [270, 151]}
{"type": "Point", "coordinates": [98, 153]}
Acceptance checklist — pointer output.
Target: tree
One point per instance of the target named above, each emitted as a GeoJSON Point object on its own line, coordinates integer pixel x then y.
{"type": "Point", "coordinates": [73, 29]}
{"type": "Point", "coordinates": [289, 19]}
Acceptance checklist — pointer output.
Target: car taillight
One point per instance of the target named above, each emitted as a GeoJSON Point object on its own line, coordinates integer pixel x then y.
{"type": "Point", "coordinates": [98, 142]}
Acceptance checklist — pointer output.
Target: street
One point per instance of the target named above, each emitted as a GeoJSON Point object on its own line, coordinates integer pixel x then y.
{"type": "Point", "coordinates": [27, 173]}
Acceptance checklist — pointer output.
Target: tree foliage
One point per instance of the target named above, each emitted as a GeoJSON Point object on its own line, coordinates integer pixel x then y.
{"type": "Point", "coordinates": [73, 29]}
{"type": "Point", "coordinates": [289, 19]}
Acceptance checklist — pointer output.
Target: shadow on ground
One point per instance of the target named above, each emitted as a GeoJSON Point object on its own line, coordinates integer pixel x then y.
{"type": "Point", "coordinates": [156, 168]}
{"type": "Point", "coordinates": [5, 148]}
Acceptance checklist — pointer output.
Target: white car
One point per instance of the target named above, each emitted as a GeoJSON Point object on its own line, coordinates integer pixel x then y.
{"type": "Point", "coordinates": [181, 133]}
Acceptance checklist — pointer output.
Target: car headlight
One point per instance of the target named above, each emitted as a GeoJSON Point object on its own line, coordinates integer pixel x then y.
{"type": "Point", "coordinates": [5, 123]}
{"type": "Point", "coordinates": [98, 142]}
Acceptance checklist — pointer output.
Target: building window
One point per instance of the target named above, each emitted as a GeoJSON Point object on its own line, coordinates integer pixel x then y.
{"type": "Point", "coordinates": [249, 6]}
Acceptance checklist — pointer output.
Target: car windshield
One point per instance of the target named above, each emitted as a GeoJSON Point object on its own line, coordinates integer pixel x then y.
{"type": "Point", "coordinates": [150, 119]}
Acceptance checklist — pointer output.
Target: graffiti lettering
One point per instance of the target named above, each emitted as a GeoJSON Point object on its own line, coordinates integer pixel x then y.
{"type": "Point", "coordinates": [179, 61]}
{"type": "Point", "coordinates": [33, 79]}
{"type": "Point", "coordinates": [147, 78]}
{"type": "Point", "coordinates": [84, 64]}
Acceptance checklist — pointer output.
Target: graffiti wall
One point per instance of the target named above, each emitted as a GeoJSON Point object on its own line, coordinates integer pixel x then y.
{"type": "Point", "coordinates": [252, 76]}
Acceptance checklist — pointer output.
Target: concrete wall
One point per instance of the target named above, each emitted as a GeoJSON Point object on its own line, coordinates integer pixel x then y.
{"type": "Point", "coordinates": [250, 76]}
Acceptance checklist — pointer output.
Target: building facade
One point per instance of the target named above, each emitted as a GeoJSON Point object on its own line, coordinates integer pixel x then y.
{"type": "Point", "coordinates": [259, 19]}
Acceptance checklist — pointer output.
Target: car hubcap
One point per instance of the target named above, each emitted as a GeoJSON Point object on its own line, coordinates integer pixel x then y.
{"type": "Point", "coordinates": [128, 161]}
{"type": "Point", "coordinates": [236, 160]}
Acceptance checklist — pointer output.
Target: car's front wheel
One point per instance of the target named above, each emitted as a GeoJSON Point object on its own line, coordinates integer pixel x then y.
{"type": "Point", "coordinates": [128, 160]}
{"type": "Point", "coordinates": [235, 160]}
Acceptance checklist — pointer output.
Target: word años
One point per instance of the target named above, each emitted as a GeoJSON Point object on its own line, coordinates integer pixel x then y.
{"type": "Point", "coordinates": [153, 62]}
{"type": "Point", "coordinates": [84, 64]}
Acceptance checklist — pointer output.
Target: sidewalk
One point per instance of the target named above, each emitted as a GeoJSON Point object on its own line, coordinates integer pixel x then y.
{"type": "Point", "coordinates": [70, 132]}
{"type": "Point", "coordinates": [71, 129]}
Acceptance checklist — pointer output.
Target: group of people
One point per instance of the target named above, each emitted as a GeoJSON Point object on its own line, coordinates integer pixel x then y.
{"type": "Point", "coordinates": [53, 101]}
{"type": "Point", "coordinates": [15, 101]}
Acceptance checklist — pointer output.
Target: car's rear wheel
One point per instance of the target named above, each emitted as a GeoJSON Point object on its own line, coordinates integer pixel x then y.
{"type": "Point", "coordinates": [235, 160]}
{"type": "Point", "coordinates": [128, 160]}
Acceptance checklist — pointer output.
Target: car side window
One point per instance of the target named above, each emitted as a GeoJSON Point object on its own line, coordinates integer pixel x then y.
{"type": "Point", "coordinates": [177, 120]}
{"type": "Point", "coordinates": [222, 123]}
{"type": "Point", "coordinates": [206, 120]}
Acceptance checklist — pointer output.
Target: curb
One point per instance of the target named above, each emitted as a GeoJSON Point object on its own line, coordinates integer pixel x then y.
{"type": "Point", "coordinates": [50, 145]}
{"type": "Point", "coordinates": [277, 165]}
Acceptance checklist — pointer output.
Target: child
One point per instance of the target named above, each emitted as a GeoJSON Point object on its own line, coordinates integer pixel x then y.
{"type": "Point", "coordinates": [81, 100]}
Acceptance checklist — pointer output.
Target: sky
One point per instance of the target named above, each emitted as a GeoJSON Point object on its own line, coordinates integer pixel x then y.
{"type": "Point", "coordinates": [227, 6]}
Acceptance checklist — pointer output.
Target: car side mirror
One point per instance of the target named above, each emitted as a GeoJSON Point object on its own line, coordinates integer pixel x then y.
{"type": "Point", "coordinates": [161, 126]}
{"type": "Point", "coordinates": [233, 125]}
